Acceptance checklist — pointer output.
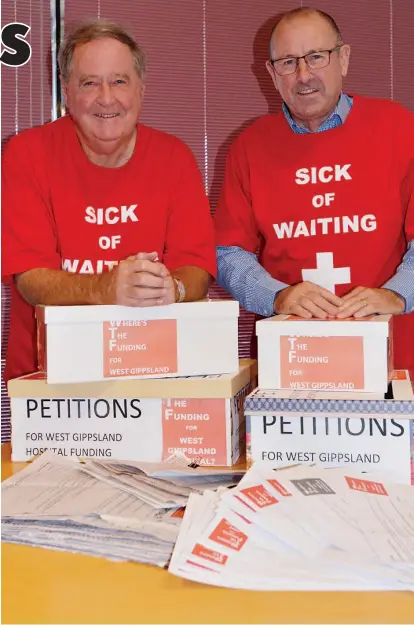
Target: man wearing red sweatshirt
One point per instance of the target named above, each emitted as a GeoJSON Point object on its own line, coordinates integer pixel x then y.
{"type": "Point", "coordinates": [323, 192]}
{"type": "Point", "coordinates": [97, 207]}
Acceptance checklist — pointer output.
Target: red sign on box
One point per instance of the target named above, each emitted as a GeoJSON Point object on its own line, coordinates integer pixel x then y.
{"type": "Point", "coordinates": [139, 347]}
{"type": "Point", "coordinates": [197, 427]}
{"type": "Point", "coordinates": [322, 362]}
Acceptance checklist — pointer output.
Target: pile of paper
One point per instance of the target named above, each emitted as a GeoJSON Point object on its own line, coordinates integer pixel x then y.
{"type": "Point", "coordinates": [300, 528]}
{"type": "Point", "coordinates": [114, 510]}
{"type": "Point", "coordinates": [162, 485]}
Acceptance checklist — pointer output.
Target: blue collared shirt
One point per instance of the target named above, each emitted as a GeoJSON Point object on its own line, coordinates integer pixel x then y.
{"type": "Point", "coordinates": [336, 118]}
{"type": "Point", "coordinates": [240, 273]}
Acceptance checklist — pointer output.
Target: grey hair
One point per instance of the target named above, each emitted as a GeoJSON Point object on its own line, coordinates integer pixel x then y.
{"type": "Point", "coordinates": [92, 30]}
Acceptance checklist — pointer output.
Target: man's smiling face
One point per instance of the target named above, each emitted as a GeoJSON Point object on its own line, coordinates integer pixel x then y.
{"type": "Point", "coordinates": [311, 95]}
{"type": "Point", "coordinates": [104, 93]}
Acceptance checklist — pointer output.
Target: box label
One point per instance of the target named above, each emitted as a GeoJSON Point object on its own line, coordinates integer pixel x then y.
{"type": "Point", "coordinates": [197, 427]}
{"type": "Point", "coordinates": [148, 429]}
{"type": "Point", "coordinates": [139, 347]}
{"type": "Point", "coordinates": [123, 429]}
{"type": "Point", "coordinates": [376, 444]}
{"type": "Point", "coordinates": [322, 362]}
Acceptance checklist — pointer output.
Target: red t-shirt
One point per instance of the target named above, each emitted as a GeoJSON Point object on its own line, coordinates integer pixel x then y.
{"type": "Point", "coordinates": [335, 208]}
{"type": "Point", "coordinates": [62, 211]}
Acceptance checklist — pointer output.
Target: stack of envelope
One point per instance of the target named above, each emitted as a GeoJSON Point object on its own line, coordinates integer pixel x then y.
{"type": "Point", "coordinates": [300, 528]}
{"type": "Point", "coordinates": [119, 511]}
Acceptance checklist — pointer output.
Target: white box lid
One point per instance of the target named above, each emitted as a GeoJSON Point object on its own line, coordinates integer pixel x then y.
{"type": "Point", "coordinates": [297, 326]}
{"type": "Point", "coordinates": [204, 309]}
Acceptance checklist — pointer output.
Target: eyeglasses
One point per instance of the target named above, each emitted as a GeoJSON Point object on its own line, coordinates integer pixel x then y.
{"type": "Point", "coordinates": [314, 60]}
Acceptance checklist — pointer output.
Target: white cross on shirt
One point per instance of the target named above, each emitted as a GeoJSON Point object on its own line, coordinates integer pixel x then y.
{"type": "Point", "coordinates": [325, 274]}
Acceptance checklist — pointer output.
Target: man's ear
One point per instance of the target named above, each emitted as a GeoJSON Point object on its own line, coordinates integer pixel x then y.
{"type": "Point", "coordinates": [344, 54]}
{"type": "Point", "coordinates": [272, 73]}
{"type": "Point", "coordinates": [64, 89]}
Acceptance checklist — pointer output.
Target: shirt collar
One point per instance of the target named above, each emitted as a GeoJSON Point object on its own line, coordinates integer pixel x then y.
{"type": "Point", "coordinates": [341, 110]}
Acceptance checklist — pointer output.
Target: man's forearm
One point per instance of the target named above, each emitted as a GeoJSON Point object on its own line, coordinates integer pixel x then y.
{"type": "Point", "coordinates": [402, 282]}
{"type": "Point", "coordinates": [55, 287]}
{"type": "Point", "coordinates": [196, 282]}
{"type": "Point", "coordinates": [240, 273]}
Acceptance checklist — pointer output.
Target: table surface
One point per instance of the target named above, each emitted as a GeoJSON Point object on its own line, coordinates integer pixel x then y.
{"type": "Point", "coordinates": [41, 586]}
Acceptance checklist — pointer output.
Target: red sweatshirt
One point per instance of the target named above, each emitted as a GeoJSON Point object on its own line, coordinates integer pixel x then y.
{"type": "Point", "coordinates": [62, 211]}
{"type": "Point", "coordinates": [335, 208]}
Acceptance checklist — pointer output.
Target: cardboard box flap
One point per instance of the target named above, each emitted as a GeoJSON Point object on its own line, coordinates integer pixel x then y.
{"type": "Point", "coordinates": [208, 386]}
{"type": "Point", "coordinates": [292, 325]}
{"type": "Point", "coordinates": [90, 314]}
{"type": "Point", "coordinates": [402, 385]}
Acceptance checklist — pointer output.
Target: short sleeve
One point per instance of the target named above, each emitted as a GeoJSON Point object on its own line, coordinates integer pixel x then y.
{"type": "Point", "coordinates": [190, 230]}
{"type": "Point", "coordinates": [234, 220]}
{"type": "Point", "coordinates": [404, 150]}
{"type": "Point", "coordinates": [29, 239]}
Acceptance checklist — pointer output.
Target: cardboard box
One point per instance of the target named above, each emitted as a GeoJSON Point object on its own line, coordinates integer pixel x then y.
{"type": "Point", "coordinates": [94, 343]}
{"type": "Point", "coordinates": [363, 431]}
{"type": "Point", "coordinates": [343, 355]}
{"type": "Point", "coordinates": [133, 419]}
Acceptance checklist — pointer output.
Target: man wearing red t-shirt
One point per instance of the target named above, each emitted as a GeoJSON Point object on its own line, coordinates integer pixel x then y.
{"type": "Point", "coordinates": [98, 208]}
{"type": "Point", "coordinates": [323, 191]}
